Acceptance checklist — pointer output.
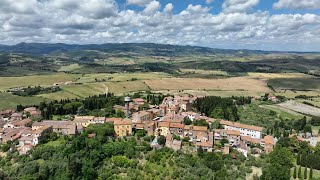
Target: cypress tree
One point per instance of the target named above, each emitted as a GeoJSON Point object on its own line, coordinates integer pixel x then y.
{"type": "Point", "coordinates": [298, 158]}
{"type": "Point", "coordinates": [305, 174]}
{"type": "Point", "coordinates": [303, 160]}
{"type": "Point", "coordinates": [311, 173]}
{"type": "Point", "coordinates": [295, 172]}
{"type": "Point", "coordinates": [299, 173]}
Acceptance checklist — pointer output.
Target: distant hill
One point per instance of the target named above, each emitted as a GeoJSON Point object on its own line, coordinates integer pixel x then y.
{"type": "Point", "coordinates": [141, 48]}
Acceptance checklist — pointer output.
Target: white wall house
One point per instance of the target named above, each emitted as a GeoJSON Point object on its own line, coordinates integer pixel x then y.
{"type": "Point", "coordinates": [245, 130]}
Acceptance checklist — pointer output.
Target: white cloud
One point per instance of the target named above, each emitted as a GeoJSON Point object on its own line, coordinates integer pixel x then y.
{"type": "Point", "coordinates": [152, 7]}
{"type": "Point", "coordinates": [230, 6]}
{"type": "Point", "coordinates": [139, 2]}
{"type": "Point", "coordinates": [168, 8]}
{"type": "Point", "coordinates": [297, 4]}
{"type": "Point", "coordinates": [79, 21]}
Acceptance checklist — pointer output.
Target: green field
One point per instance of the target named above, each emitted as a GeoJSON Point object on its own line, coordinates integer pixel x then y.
{"type": "Point", "coordinates": [264, 115]}
{"type": "Point", "coordinates": [34, 80]}
{"type": "Point", "coordinates": [8, 100]}
{"type": "Point", "coordinates": [295, 83]}
{"type": "Point", "coordinates": [282, 112]}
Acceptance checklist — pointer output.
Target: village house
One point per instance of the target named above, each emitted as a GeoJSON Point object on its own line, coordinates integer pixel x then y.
{"type": "Point", "coordinates": [177, 129]}
{"type": "Point", "coordinates": [163, 128]}
{"type": "Point", "coordinates": [138, 101]}
{"type": "Point", "coordinates": [84, 121]}
{"type": "Point", "coordinates": [11, 134]}
{"type": "Point", "coordinates": [268, 142]}
{"type": "Point", "coordinates": [154, 113]}
{"type": "Point", "coordinates": [7, 113]}
{"type": "Point", "coordinates": [185, 106]}
{"type": "Point", "coordinates": [98, 120]}
{"type": "Point", "coordinates": [206, 146]}
{"type": "Point", "coordinates": [60, 127]}
{"type": "Point", "coordinates": [16, 116]}
{"type": "Point", "coordinates": [141, 116]}
{"type": "Point", "coordinates": [18, 123]}
{"type": "Point", "coordinates": [245, 130]}
{"type": "Point", "coordinates": [123, 127]}
{"type": "Point", "coordinates": [243, 148]}
{"type": "Point", "coordinates": [173, 143]}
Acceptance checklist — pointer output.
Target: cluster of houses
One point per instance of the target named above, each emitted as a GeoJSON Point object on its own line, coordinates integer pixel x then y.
{"type": "Point", "coordinates": [166, 119]}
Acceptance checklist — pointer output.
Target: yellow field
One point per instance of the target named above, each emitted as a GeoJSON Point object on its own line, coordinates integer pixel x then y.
{"type": "Point", "coordinates": [10, 82]}
{"type": "Point", "coordinates": [126, 87]}
{"type": "Point", "coordinates": [200, 71]}
{"type": "Point", "coordinates": [70, 67]}
{"type": "Point", "coordinates": [77, 91]}
{"type": "Point", "coordinates": [121, 77]}
{"type": "Point", "coordinates": [277, 75]}
{"type": "Point", "coordinates": [229, 84]}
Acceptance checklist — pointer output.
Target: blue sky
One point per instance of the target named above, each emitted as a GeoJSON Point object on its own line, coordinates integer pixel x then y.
{"type": "Point", "coordinates": [284, 25]}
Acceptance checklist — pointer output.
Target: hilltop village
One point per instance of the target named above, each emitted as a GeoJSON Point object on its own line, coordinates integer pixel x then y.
{"type": "Point", "coordinates": [172, 124]}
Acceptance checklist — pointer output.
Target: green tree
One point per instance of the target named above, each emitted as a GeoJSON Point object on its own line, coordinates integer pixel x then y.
{"type": "Point", "coordinates": [120, 114]}
{"type": "Point", "coordinates": [217, 113]}
{"type": "Point", "coordinates": [161, 140]}
{"type": "Point", "coordinates": [311, 173]}
{"type": "Point", "coordinates": [305, 174]}
{"type": "Point", "coordinates": [201, 122]}
{"type": "Point", "coordinates": [299, 173]}
{"type": "Point", "coordinates": [295, 172]}
{"type": "Point", "coordinates": [187, 121]}
{"type": "Point", "coordinates": [298, 158]}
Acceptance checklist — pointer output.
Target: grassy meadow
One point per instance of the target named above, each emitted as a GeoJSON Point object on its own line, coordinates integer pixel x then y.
{"type": "Point", "coordinates": [8, 100]}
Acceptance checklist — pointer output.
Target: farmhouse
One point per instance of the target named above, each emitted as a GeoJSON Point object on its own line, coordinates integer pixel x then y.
{"type": "Point", "coordinates": [245, 130]}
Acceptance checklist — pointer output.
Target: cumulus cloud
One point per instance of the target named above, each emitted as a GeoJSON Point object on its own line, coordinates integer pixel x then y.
{"type": "Point", "coordinates": [168, 8]}
{"type": "Point", "coordinates": [100, 21]}
{"type": "Point", "coordinates": [152, 7]}
{"type": "Point", "coordinates": [139, 2]}
{"type": "Point", "coordinates": [297, 4]}
{"type": "Point", "coordinates": [230, 6]}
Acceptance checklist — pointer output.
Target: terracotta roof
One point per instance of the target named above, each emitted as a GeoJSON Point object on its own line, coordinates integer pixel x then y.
{"type": "Point", "coordinates": [40, 130]}
{"type": "Point", "coordinates": [35, 113]}
{"type": "Point", "coordinates": [123, 122]}
{"type": "Point", "coordinates": [246, 138]}
{"type": "Point", "coordinates": [187, 127]}
{"type": "Point", "coordinates": [26, 138]}
{"type": "Point", "coordinates": [141, 113]}
{"type": "Point", "coordinates": [176, 125]}
{"type": "Point", "coordinates": [233, 132]}
{"type": "Point", "coordinates": [29, 109]}
{"type": "Point", "coordinates": [269, 140]}
{"type": "Point", "coordinates": [139, 125]}
{"type": "Point", "coordinates": [138, 100]}
{"type": "Point", "coordinates": [113, 119]}
{"type": "Point", "coordinates": [238, 125]}
{"type": "Point", "coordinates": [200, 128]}
{"type": "Point", "coordinates": [16, 115]}
{"type": "Point", "coordinates": [164, 124]}
{"type": "Point", "coordinates": [22, 122]}
{"type": "Point", "coordinates": [203, 144]}
{"type": "Point", "coordinates": [99, 119]}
